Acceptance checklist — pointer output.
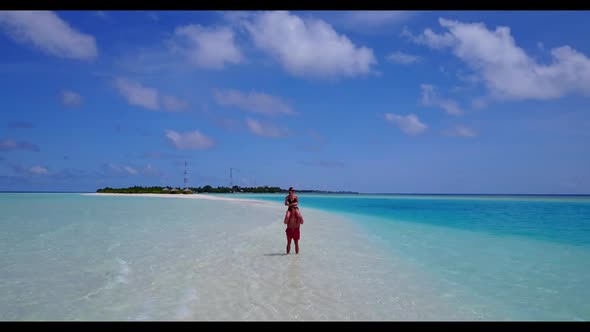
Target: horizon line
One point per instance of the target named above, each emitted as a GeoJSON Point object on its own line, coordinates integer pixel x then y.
{"type": "Point", "coordinates": [340, 191]}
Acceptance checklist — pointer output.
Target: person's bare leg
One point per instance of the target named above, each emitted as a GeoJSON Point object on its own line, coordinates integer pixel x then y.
{"type": "Point", "coordinates": [296, 246]}
{"type": "Point", "coordinates": [287, 216]}
{"type": "Point", "coordinates": [289, 246]}
{"type": "Point", "coordinates": [299, 216]}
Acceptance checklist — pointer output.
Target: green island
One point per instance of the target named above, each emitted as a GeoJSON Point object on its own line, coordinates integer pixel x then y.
{"type": "Point", "coordinates": [209, 189]}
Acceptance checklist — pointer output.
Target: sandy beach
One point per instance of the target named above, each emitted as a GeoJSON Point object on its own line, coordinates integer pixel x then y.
{"type": "Point", "coordinates": [191, 196]}
{"type": "Point", "coordinates": [242, 272]}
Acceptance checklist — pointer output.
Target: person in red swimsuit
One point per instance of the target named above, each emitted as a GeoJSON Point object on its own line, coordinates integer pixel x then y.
{"type": "Point", "coordinates": [293, 220]}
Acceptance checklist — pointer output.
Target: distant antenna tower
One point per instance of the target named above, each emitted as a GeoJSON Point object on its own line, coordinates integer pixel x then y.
{"type": "Point", "coordinates": [231, 176]}
{"type": "Point", "coordinates": [185, 179]}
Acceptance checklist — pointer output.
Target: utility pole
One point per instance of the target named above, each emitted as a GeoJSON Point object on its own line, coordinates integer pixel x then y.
{"type": "Point", "coordinates": [185, 179]}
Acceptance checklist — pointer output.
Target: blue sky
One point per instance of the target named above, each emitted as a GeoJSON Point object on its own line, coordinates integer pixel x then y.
{"type": "Point", "coordinates": [411, 102]}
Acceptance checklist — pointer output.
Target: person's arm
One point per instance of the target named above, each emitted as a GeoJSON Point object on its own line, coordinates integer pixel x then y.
{"type": "Point", "coordinates": [286, 201]}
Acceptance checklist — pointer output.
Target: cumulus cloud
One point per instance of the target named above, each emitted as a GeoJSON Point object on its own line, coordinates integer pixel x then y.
{"type": "Point", "coordinates": [409, 124]}
{"type": "Point", "coordinates": [209, 47]}
{"type": "Point", "coordinates": [122, 169]}
{"type": "Point", "coordinates": [38, 170]}
{"type": "Point", "coordinates": [265, 129]}
{"type": "Point", "coordinates": [149, 170]}
{"type": "Point", "coordinates": [366, 21]}
{"type": "Point", "coordinates": [130, 170]}
{"type": "Point", "coordinates": [430, 97]}
{"type": "Point", "coordinates": [156, 155]}
{"type": "Point", "coordinates": [20, 171]}
{"type": "Point", "coordinates": [430, 38]}
{"type": "Point", "coordinates": [137, 94]}
{"type": "Point", "coordinates": [193, 140]}
{"type": "Point", "coordinates": [8, 144]}
{"type": "Point", "coordinates": [150, 98]}
{"type": "Point", "coordinates": [49, 33]}
{"type": "Point", "coordinates": [70, 98]}
{"type": "Point", "coordinates": [308, 47]}
{"type": "Point", "coordinates": [255, 102]}
{"type": "Point", "coordinates": [403, 58]}
{"type": "Point", "coordinates": [479, 103]}
{"type": "Point", "coordinates": [507, 70]}
{"type": "Point", "coordinates": [375, 18]}
{"type": "Point", "coordinates": [325, 164]}
{"type": "Point", "coordinates": [173, 104]}
{"type": "Point", "coordinates": [461, 131]}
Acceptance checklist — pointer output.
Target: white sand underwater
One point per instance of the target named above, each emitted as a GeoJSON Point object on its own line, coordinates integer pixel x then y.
{"type": "Point", "coordinates": [226, 261]}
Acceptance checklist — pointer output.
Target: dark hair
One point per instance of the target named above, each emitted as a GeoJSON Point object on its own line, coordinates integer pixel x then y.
{"type": "Point", "coordinates": [291, 189]}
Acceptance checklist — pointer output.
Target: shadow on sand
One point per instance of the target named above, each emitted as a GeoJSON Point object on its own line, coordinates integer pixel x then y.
{"type": "Point", "coordinates": [276, 254]}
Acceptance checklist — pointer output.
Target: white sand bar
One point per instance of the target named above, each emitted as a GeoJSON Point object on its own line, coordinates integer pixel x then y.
{"type": "Point", "coordinates": [225, 260]}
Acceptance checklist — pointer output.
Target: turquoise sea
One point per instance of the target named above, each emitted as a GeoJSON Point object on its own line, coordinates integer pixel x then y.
{"type": "Point", "coordinates": [525, 256]}
{"type": "Point", "coordinates": [364, 257]}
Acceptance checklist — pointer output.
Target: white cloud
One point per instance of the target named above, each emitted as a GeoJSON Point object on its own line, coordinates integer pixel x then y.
{"type": "Point", "coordinates": [8, 144]}
{"type": "Point", "coordinates": [265, 129]}
{"type": "Point", "coordinates": [130, 170]}
{"type": "Point", "coordinates": [149, 170]}
{"type": "Point", "coordinates": [138, 95]}
{"type": "Point", "coordinates": [409, 124]}
{"type": "Point", "coordinates": [164, 60]}
{"type": "Point", "coordinates": [46, 31]}
{"type": "Point", "coordinates": [190, 140]}
{"type": "Point", "coordinates": [325, 163]}
{"type": "Point", "coordinates": [479, 103]}
{"type": "Point", "coordinates": [462, 131]}
{"type": "Point", "coordinates": [308, 48]}
{"type": "Point", "coordinates": [403, 58]}
{"type": "Point", "coordinates": [507, 71]}
{"type": "Point", "coordinates": [375, 18]}
{"type": "Point", "coordinates": [429, 38]}
{"type": "Point", "coordinates": [70, 98]}
{"type": "Point", "coordinates": [366, 21]}
{"type": "Point", "coordinates": [114, 167]}
{"type": "Point", "coordinates": [254, 102]}
{"type": "Point", "coordinates": [122, 169]}
{"type": "Point", "coordinates": [173, 104]}
{"type": "Point", "coordinates": [210, 48]}
{"type": "Point", "coordinates": [469, 78]}
{"type": "Point", "coordinates": [431, 98]}
{"type": "Point", "coordinates": [150, 98]}
{"type": "Point", "coordinates": [38, 170]}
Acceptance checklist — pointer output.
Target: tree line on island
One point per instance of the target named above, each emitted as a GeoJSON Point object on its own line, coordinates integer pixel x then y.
{"type": "Point", "coordinates": [208, 189]}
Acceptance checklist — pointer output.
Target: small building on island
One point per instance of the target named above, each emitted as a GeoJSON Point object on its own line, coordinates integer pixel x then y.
{"type": "Point", "coordinates": [166, 190]}
{"type": "Point", "coordinates": [187, 191]}
{"type": "Point", "coordinates": [174, 191]}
